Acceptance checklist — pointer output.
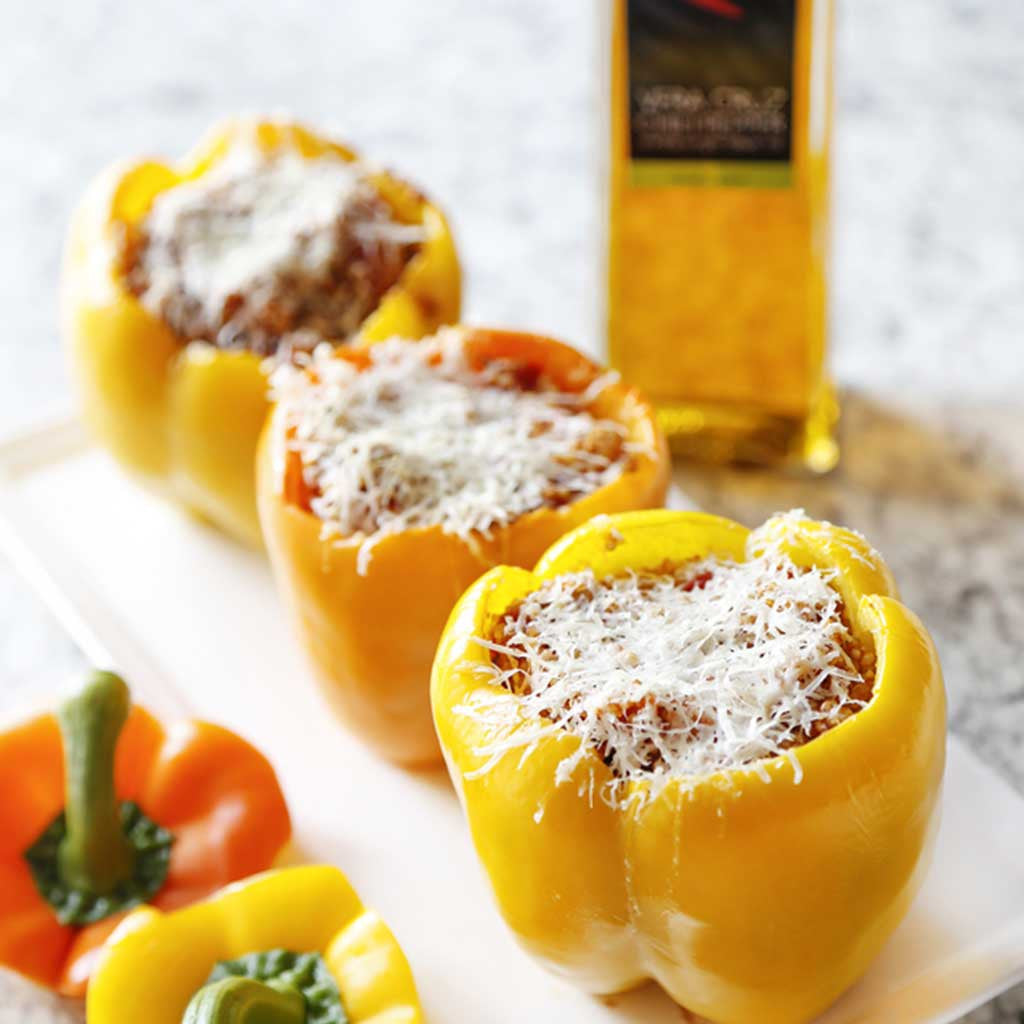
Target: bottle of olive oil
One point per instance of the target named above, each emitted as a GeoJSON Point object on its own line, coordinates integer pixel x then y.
{"type": "Point", "coordinates": [719, 222]}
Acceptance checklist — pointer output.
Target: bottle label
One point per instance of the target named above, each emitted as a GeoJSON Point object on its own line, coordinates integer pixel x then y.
{"type": "Point", "coordinates": [711, 92]}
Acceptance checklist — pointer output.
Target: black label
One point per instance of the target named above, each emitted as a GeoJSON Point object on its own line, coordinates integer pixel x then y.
{"type": "Point", "coordinates": [711, 79]}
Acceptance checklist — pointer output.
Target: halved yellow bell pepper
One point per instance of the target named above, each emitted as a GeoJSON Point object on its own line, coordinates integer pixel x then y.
{"type": "Point", "coordinates": [186, 418]}
{"type": "Point", "coordinates": [372, 636]}
{"type": "Point", "coordinates": [155, 964]}
{"type": "Point", "coordinates": [749, 895]}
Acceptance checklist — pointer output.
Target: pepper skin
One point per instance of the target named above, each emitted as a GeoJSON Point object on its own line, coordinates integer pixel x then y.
{"type": "Point", "coordinates": [186, 418]}
{"type": "Point", "coordinates": [372, 637]}
{"type": "Point", "coordinates": [217, 795]}
{"type": "Point", "coordinates": [155, 963]}
{"type": "Point", "coordinates": [748, 896]}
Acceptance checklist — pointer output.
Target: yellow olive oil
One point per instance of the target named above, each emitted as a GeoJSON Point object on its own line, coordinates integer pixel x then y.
{"type": "Point", "coordinates": [718, 222]}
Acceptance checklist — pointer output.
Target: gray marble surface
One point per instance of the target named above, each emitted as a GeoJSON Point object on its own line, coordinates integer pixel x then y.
{"type": "Point", "coordinates": [495, 106]}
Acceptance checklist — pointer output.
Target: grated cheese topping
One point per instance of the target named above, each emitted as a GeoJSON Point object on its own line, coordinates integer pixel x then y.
{"type": "Point", "coordinates": [682, 671]}
{"type": "Point", "coordinates": [418, 438]}
{"type": "Point", "coordinates": [265, 244]}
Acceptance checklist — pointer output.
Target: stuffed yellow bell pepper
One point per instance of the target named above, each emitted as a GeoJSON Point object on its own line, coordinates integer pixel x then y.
{"type": "Point", "coordinates": [371, 625]}
{"type": "Point", "coordinates": [179, 407]}
{"type": "Point", "coordinates": [755, 893]}
{"type": "Point", "coordinates": [286, 947]}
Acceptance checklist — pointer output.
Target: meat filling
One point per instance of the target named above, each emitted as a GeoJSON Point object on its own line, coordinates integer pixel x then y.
{"type": "Point", "coordinates": [684, 669]}
{"type": "Point", "coordinates": [265, 253]}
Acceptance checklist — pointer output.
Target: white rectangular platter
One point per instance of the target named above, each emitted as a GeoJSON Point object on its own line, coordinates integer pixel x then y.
{"type": "Point", "coordinates": [193, 622]}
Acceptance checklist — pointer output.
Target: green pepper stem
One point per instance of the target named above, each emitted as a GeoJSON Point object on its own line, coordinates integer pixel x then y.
{"type": "Point", "coordinates": [95, 855]}
{"type": "Point", "coordinates": [245, 1001]}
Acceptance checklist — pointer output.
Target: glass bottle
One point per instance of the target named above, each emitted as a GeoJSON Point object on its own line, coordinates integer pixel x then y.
{"type": "Point", "coordinates": [718, 222]}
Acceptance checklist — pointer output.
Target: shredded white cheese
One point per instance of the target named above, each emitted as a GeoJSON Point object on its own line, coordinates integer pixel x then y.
{"type": "Point", "coordinates": [280, 217]}
{"type": "Point", "coordinates": [263, 229]}
{"type": "Point", "coordinates": [668, 674]}
{"type": "Point", "coordinates": [419, 438]}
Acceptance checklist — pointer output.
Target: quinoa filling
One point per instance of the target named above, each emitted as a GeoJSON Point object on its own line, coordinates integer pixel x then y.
{"type": "Point", "coordinates": [419, 438]}
{"type": "Point", "coordinates": [268, 252]}
{"type": "Point", "coordinates": [681, 670]}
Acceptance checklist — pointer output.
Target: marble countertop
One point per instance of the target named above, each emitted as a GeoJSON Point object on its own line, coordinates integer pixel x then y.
{"type": "Point", "coordinates": [496, 107]}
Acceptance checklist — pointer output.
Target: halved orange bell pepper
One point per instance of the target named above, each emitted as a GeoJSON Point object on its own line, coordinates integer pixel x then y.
{"type": "Point", "coordinates": [186, 418]}
{"type": "Point", "coordinates": [157, 967]}
{"type": "Point", "coordinates": [202, 808]}
{"type": "Point", "coordinates": [756, 894]}
{"type": "Point", "coordinates": [372, 636]}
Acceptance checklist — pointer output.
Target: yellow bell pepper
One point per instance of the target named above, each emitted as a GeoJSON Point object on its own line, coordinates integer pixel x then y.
{"type": "Point", "coordinates": [749, 895]}
{"type": "Point", "coordinates": [155, 964]}
{"type": "Point", "coordinates": [372, 636]}
{"type": "Point", "coordinates": [187, 417]}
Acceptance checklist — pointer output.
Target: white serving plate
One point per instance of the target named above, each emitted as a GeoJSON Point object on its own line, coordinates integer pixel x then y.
{"type": "Point", "coordinates": [193, 622]}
